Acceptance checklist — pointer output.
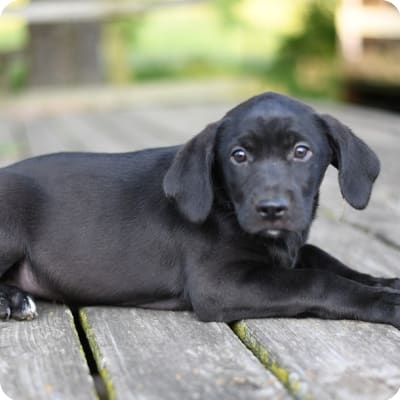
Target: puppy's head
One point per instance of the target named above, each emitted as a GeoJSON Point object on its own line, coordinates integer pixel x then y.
{"type": "Point", "coordinates": [271, 153]}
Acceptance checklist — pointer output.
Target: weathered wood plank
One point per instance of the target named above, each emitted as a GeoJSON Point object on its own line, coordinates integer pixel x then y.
{"type": "Point", "coordinates": [160, 127]}
{"type": "Point", "coordinates": [129, 129]}
{"type": "Point", "coordinates": [382, 216]}
{"type": "Point", "coordinates": [183, 122]}
{"type": "Point", "coordinates": [118, 130]}
{"type": "Point", "coordinates": [384, 121]}
{"type": "Point", "coordinates": [334, 359]}
{"type": "Point", "coordinates": [356, 248]}
{"type": "Point", "coordinates": [328, 360]}
{"type": "Point", "coordinates": [42, 359]}
{"type": "Point", "coordinates": [47, 135]}
{"type": "Point", "coordinates": [9, 148]}
{"type": "Point", "coordinates": [144, 354]}
{"type": "Point", "coordinates": [87, 130]}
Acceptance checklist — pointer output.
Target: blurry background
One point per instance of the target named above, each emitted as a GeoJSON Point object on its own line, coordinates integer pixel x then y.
{"type": "Point", "coordinates": [120, 75]}
{"type": "Point", "coordinates": [347, 49]}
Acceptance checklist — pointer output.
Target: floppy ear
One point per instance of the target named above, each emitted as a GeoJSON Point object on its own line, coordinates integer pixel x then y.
{"type": "Point", "coordinates": [358, 165]}
{"type": "Point", "coordinates": [188, 180]}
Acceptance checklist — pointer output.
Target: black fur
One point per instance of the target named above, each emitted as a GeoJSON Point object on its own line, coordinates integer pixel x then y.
{"type": "Point", "coordinates": [194, 227]}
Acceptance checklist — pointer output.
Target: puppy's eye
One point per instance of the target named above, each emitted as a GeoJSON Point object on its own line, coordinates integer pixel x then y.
{"type": "Point", "coordinates": [239, 156]}
{"type": "Point", "coordinates": [302, 152]}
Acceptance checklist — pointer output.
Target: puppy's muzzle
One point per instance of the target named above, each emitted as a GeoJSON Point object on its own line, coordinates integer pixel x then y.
{"type": "Point", "coordinates": [272, 209]}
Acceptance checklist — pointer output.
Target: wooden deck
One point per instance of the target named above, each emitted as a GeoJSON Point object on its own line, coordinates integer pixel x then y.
{"type": "Point", "coordinates": [140, 354]}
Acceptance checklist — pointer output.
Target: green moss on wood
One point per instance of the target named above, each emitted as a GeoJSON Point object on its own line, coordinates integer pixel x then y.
{"type": "Point", "coordinates": [104, 373]}
{"type": "Point", "coordinates": [73, 327]}
{"type": "Point", "coordinates": [256, 347]}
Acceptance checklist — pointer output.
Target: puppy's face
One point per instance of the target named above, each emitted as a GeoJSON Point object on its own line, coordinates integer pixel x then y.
{"type": "Point", "coordinates": [271, 152]}
{"type": "Point", "coordinates": [272, 165]}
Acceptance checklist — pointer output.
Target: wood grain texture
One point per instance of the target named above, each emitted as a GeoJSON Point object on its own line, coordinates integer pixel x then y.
{"type": "Point", "coordinates": [359, 250]}
{"type": "Point", "coordinates": [144, 354]}
{"type": "Point", "coordinates": [42, 359]}
{"type": "Point", "coordinates": [328, 360]}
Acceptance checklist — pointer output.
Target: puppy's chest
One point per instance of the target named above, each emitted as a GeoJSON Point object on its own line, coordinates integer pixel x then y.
{"type": "Point", "coordinates": [269, 254]}
{"type": "Point", "coordinates": [230, 244]}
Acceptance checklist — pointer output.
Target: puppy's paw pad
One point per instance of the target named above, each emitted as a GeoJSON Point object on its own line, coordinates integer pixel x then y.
{"type": "Point", "coordinates": [25, 309]}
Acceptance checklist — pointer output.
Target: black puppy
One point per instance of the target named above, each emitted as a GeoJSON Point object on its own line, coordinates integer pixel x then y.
{"type": "Point", "coordinates": [217, 225]}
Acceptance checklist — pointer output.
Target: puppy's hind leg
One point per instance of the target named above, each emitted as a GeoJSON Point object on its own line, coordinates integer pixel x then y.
{"type": "Point", "coordinates": [19, 202]}
{"type": "Point", "coordinates": [14, 303]}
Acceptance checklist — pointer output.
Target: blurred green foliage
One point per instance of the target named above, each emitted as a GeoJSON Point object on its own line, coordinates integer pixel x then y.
{"type": "Point", "coordinates": [17, 74]}
{"type": "Point", "coordinates": [217, 38]}
{"type": "Point", "coordinates": [225, 9]}
{"type": "Point", "coordinates": [13, 37]}
{"type": "Point", "coordinates": [287, 44]}
{"type": "Point", "coordinates": [119, 41]}
{"type": "Point", "coordinates": [290, 44]}
{"type": "Point", "coordinates": [307, 60]}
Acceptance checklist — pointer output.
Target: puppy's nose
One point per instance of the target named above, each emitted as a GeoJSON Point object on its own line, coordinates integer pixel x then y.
{"type": "Point", "coordinates": [272, 209]}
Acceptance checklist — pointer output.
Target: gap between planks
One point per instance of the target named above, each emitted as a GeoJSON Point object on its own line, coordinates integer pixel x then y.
{"type": "Point", "coordinates": [290, 380]}
{"type": "Point", "coordinates": [174, 356]}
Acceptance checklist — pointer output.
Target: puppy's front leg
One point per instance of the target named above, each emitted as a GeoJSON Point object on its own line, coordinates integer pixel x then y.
{"type": "Point", "coordinates": [238, 291]}
{"type": "Point", "coordinates": [312, 257]}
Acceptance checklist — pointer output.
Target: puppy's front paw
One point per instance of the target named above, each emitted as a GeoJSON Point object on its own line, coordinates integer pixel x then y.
{"type": "Point", "coordinates": [25, 308]}
{"type": "Point", "coordinates": [16, 304]}
{"type": "Point", "coordinates": [389, 306]}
